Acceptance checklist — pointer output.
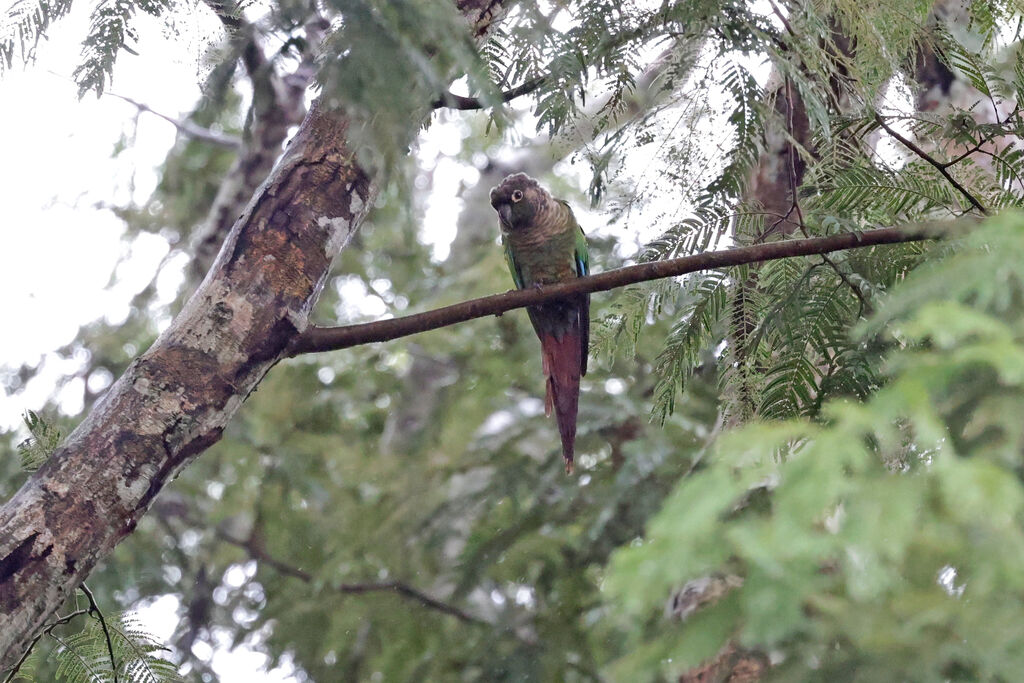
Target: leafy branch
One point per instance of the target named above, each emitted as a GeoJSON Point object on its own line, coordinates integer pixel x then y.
{"type": "Point", "coordinates": [45, 632]}
{"type": "Point", "coordinates": [42, 441]}
{"type": "Point", "coordinates": [942, 168]}
{"type": "Point", "coordinates": [81, 656]}
{"type": "Point", "coordinates": [319, 339]}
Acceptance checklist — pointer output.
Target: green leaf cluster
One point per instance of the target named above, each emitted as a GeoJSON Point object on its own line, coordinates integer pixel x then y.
{"type": "Point", "coordinates": [883, 540]}
{"type": "Point", "coordinates": [865, 521]}
{"type": "Point", "coordinates": [42, 441]}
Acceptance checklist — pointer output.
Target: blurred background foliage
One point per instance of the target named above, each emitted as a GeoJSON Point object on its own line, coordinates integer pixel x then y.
{"type": "Point", "coordinates": [811, 467]}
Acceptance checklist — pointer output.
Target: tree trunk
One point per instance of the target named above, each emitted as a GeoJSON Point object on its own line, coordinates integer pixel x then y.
{"type": "Point", "coordinates": [174, 401]}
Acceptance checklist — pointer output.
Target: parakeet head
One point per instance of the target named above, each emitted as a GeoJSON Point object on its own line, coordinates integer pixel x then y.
{"type": "Point", "coordinates": [517, 200]}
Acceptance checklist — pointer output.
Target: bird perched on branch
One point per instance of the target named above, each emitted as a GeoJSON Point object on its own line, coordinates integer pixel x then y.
{"type": "Point", "coordinates": [544, 245]}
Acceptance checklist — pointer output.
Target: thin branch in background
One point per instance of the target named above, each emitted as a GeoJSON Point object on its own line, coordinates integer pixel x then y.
{"type": "Point", "coordinates": [412, 593]}
{"type": "Point", "coordinates": [185, 126]}
{"type": "Point", "coordinates": [320, 339]}
{"type": "Point", "coordinates": [938, 165]}
{"type": "Point", "coordinates": [451, 101]}
{"type": "Point", "coordinates": [256, 552]}
{"type": "Point", "coordinates": [792, 158]}
{"type": "Point", "coordinates": [94, 608]}
{"type": "Point", "coordinates": [794, 207]}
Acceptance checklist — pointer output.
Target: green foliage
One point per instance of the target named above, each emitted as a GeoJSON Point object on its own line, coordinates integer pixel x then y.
{"type": "Point", "coordinates": [891, 528]}
{"type": "Point", "coordinates": [84, 657]}
{"type": "Point", "coordinates": [870, 509]}
{"type": "Point", "coordinates": [42, 441]}
{"type": "Point", "coordinates": [111, 31]}
{"type": "Point", "coordinates": [24, 25]}
{"type": "Point", "coordinates": [381, 44]}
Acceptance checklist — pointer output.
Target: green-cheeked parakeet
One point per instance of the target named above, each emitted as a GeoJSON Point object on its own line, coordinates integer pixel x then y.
{"type": "Point", "coordinates": [544, 245]}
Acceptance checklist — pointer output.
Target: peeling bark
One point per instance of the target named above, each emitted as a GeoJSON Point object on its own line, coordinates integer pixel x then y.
{"type": "Point", "coordinates": [173, 402]}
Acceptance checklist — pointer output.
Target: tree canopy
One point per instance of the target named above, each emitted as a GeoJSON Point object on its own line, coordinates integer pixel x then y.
{"type": "Point", "coordinates": [801, 466]}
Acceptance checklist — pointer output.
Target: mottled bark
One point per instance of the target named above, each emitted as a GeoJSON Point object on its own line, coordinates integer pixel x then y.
{"type": "Point", "coordinates": [731, 665]}
{"type": "Point", "coordinates": [278, 104]}
{"type": "Point", "coordinates": [174, 401]}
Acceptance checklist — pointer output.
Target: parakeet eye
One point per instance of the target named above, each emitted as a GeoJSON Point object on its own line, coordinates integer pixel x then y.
{"type": "Point", "coordinates": [517, 195]}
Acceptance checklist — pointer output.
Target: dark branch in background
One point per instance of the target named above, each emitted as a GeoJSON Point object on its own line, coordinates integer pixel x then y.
{"type": "Point", "coordinates": [939, 166]}
{"type": "Point", "coordinates": [452, 101]}
{"type": "Point", "coordinates": [411, 593]}
{"type": "Point", "coordinates": [257, 552]}
{"type": "Point", "coordinates": [317, 339]}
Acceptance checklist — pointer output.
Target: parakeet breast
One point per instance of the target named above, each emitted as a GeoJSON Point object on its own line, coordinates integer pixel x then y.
{"type": "Point", "coordinates": [544, 253]}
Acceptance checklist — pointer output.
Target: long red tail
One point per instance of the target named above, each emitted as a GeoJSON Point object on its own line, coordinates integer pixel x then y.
{"type": "Point", "coordinates": [562, 365]}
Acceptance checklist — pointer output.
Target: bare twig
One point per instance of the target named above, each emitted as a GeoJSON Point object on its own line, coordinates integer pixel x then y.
{"type": "Point", "coordinates": [318, 339]}
{"type": "Point", "coordinates": [260, 554]}
{"type": "Point", "coordinates": [94, 608]}
{"type": "Point", "coordinates": [185, 126]}
{"type": "Point", "coordinates": [939, 166]}
{"type": "Point", "coordinates": [452, 101]}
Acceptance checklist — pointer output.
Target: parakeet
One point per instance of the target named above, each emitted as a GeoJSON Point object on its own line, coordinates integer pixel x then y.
{"type": "Point", "coordinates": [543, 245]}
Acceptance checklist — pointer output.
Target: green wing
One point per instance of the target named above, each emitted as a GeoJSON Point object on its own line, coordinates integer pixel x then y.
{"type": "Point", "coordinates": [517, 276]}
{"type": "Point", "coordinates": [581, 262]}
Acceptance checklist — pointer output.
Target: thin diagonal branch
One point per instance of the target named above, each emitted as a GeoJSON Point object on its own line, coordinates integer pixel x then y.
{"type": "Point", "coordinates": [185, 126]}
{"type": "Point", "coordinates": [260, 554]}
{"type": "Point", "coordinates": [452, 101]}
{"type": "Point", "coordinates": [94, 608]}
{"type": "Point", "coordinates": [939, 166]}
{"type": "Point", "coordinates": [413, 594]}
{"type": "Point", "coordinates": [318, 339]}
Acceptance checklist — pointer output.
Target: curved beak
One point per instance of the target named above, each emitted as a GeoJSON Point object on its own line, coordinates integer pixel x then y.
{"type": "Point", "coordinates": [505, 215]}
